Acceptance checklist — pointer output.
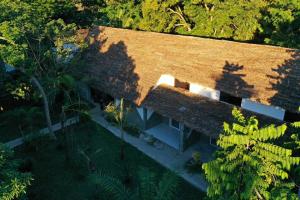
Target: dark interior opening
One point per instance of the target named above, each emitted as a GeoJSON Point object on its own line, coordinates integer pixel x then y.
{"type": "Point", "coordinates": [102, 98]}
{"type": "Point", "coordinates": [291, 116]}
{"type": "Point", "coordinates": [228, 98]}
{"type": "Point", "coordinates": [182, 84]}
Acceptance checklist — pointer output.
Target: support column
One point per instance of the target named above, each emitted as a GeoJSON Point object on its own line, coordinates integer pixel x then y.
{"type": "Point", "coordinates": [181, 139]}
{"type": "Point", "coordinates": [144, 118]}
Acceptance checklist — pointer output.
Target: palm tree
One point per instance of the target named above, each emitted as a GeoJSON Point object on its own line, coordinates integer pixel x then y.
{"type": "Point", "coordinates": [148, 188]}
{"type": "Point", "coordinates": [117, 114]}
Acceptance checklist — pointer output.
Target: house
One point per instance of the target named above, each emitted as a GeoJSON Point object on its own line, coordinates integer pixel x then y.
{"type": "Point", "coordinates": [180, 85]}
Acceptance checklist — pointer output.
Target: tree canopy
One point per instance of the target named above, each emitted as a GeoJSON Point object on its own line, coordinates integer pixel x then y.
{"type": "Point", "coordinates": [274, 22]}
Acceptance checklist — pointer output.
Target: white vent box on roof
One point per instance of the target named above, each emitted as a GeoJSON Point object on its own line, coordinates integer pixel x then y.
{"type": "Point", "coordinates": [271, 111]}
{"type": "Point", "coordinates": [204, 91]}
{"type": "Point", "coordinates": [166, 79]}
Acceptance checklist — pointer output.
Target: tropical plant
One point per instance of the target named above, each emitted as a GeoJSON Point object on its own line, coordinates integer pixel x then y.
{"type": "Point", "coordinates": [118, 115]}
{"type": "Point", "coordinates": [249, 164]}
{"type": "Point", "coordinates": [13, 182]}
{"type": "Point", "coordinates": [89, 158]}
{"type": "Point", "coordinates": [148, 187]}
{"type": "Point", "coordinates": [294, 143]}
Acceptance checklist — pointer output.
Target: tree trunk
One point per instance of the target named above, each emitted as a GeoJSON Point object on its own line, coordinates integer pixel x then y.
{"type": "Point", "coordinates": [46, 105]}
{"type": "Point", "coordinates": [122, 152]}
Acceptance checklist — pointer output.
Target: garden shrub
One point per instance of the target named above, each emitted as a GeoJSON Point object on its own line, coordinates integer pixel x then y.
{"type": "Point", "coordinates": [34, 141]}
{"type": "Point", "coordinates": [194, 165]}
{"type": "Point", "coordinates": [110, 113]}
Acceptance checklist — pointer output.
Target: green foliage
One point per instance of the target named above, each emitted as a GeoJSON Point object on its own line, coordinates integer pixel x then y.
{"type": "Point", "coordinates": [110, 112]}
{"type": "Point", "coordinates": [196, 156]}
{"type": "Point", "coordinates": [117, 114]}
{"type": "Point", "coordinates": [120, 14]}
{"type": "Point", "coordinates": [24, 117]}
{"type": "Point", "coordinates": [272, 22]}
{"type": "Point", "coordinates": [13, 182]}
{"type": "Point", "coordinates": [148, 188]}
{"type": "Point", "coordinates": [52, 171]}
{"type": "Point", "coordinates": [282, 23]}
{"type": "Point", "coordinates": [35, 140]}
{"type": "Point", "coordinates": [194, 164]}
{"type": "Point", "coordinates": [249, 164]}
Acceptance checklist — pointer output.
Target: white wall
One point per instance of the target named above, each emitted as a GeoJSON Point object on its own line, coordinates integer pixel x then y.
{"type": "Point", "coordinates": [204, 91]}
{"type": "Point", "coordinates": [166, 79]}
{"type": "Point", "coordinates": [271, 111]}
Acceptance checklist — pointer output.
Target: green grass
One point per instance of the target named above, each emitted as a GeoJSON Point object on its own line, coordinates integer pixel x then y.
{"type": "Point", "coordinates": [56, 179]}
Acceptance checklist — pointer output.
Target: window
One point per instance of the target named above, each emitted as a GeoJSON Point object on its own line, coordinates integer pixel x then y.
{"type": "Point", "coordinates": [291, 116]}
{"type": "Point", "coordinates": [225, 97]}
{"type": "Point", "coordinates": [174, 124]}
{"type": "Point", "coordinates": [204, 91]}
{"type": "Point", "coordinates": [181, 84]}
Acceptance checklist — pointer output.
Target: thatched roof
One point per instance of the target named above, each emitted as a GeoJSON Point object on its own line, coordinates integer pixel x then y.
{"type": "Point", "coordinates": [134, 61]}
{"type": "Point", "coordinates": [200, 113]}
{"type": "Point", "coordinates": [128, 63]}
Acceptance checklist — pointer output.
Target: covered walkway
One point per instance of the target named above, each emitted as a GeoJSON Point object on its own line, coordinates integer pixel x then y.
{"type": "Point", "coordinates": [165, 134]}
{"type": "Point", "coordinates": [167, 156]}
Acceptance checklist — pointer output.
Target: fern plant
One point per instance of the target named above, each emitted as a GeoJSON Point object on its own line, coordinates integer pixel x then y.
{"type": "Point", "coordinates": [249, 165]}
{"type": "Point", "coordinates": [148, 188]}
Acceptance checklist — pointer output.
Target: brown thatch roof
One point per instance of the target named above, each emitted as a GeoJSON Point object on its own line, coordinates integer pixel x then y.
{"type": "Point", "coordinates": [200, 113]}
{"type": "Point", "coordinates": [129, 63]}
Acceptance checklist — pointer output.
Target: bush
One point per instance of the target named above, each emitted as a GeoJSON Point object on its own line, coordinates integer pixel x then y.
{"type": "Point", "coordinates": [110, 113]}
{"type": "Point", "coordinates": [26, 165]}
{"type": "Point", "coordinates": [194, 165]}
{"type": "Point", "coordinates": [14, 183]}
{"type": "Point", "coordinates": [34, 141]}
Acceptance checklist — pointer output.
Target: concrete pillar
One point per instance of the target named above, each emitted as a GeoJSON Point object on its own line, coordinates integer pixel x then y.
{"type": "Point", "coordinates": [181, 139]}
{"type": "Point", "coordinates": [145, 118]}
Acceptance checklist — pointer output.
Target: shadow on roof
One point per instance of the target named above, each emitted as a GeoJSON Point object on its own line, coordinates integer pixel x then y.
{"type": "Point", "coordinates": [286, 83]}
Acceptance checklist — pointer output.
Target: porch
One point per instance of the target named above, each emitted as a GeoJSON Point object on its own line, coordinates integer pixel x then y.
{"type": "Point", "coordinates": [166, 134]}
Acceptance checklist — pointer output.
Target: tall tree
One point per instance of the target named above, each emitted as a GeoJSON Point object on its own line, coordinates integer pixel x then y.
{"type": "Point", "coordinates": [249, 165]}
{"type": "Point", "coordinates": [281, 23]}
{"type": "Point", "coordinates": [273, 22]}
{"type": "Point", "coordinates": [32, 39]}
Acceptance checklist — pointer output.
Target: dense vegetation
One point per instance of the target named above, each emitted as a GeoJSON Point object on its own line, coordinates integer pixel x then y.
{"type": "Point", "coordinates": [37, 39]}
{"type": "Point", "coordinates": [14, 181]}
{"type": "Point", "coordinates": [251, 164]}
{"type": "Point", "coordinates": [274, 22]}
{"type": "Point", "coordinates": [56, 178]}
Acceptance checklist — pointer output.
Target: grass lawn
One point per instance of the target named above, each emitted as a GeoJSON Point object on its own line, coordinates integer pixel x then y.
{"type": "Point", "coordinates": [56, 179]}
